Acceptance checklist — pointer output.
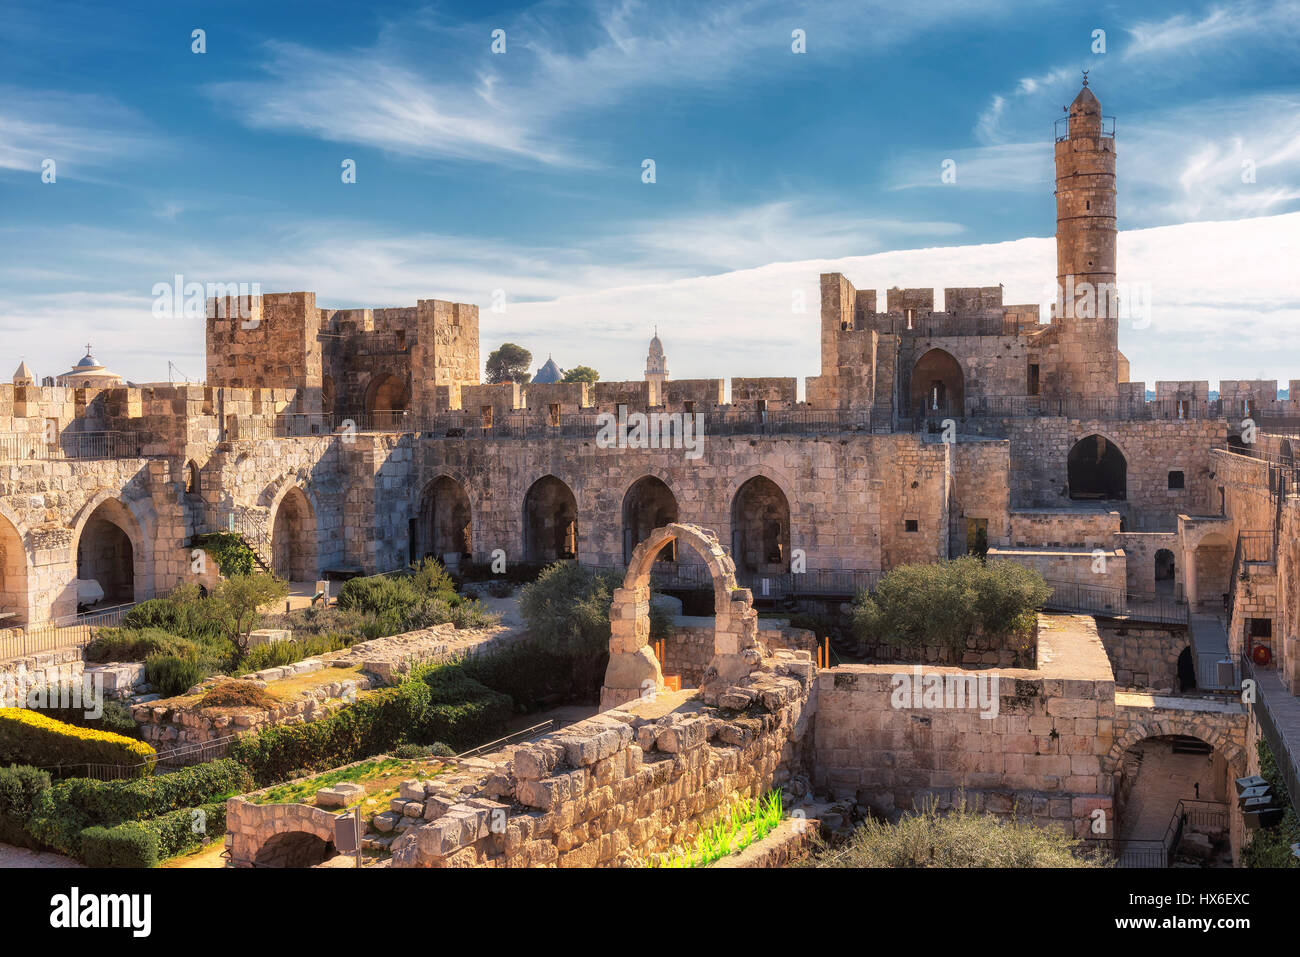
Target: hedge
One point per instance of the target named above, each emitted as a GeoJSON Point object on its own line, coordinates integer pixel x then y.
{"type": "Point", "coordinates": [29, 737]}
{"type": "Point", "coordinates": [68, 807]}
{"type": "Point", "coordinates": [145, 843]}
{"type": "Point", "coordinates": [378, 721]}
{"type": "Point", "coordinates": [21, 788]}
{"type": "Point", "coordinates": [462, 712]}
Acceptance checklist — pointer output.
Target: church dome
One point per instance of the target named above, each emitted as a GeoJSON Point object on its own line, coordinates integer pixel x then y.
{"type": "Point", "coordinates": [548, 373]}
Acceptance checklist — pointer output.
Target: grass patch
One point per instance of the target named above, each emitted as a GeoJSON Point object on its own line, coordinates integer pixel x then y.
{"type": "Point", "coordinates": [381, 778]}
{"type": "Point", "coordinates": [748, 821]}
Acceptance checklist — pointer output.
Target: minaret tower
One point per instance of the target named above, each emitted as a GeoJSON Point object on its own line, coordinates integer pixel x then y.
{"type": "Point", "coordinates": [656, 369]}
{"type": "Point", "coordinates": [1085, 316]}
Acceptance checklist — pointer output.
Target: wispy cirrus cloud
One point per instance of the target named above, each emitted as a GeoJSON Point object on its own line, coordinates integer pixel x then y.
{"type": "Point", "coordinates": [79, 131]}
{"type": "Point", "coordinates": [1272, 23]}
{"type": "Point", "coordinates": [464, 103]}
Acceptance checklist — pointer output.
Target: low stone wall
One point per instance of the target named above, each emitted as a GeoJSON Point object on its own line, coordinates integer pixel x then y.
{"type": "Point", "coordinates": [46, 668]}
{"type": "Point", "coordinates": [384, 661]}
{"type": "Point", "coordinates": [791, 840]}
{"type": "Point", "coordinates": [1040, 754]}
{"type": "Point", "coordinates": [625, 784]}
{"type": "Point", "coordinates": [690, 648]}
{"type": "Point", "coordinates": [1145, 657]}
{"type": "Point", "coordinates": [1085, 528]}
{"type": "Point", "coordinates": [1015, 650]}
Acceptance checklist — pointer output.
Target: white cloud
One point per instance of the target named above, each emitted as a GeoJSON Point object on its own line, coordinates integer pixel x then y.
{"type": "Point", "coordinates": [1267, 23]}
{"type": "Point", "coordinates": [76, 130]}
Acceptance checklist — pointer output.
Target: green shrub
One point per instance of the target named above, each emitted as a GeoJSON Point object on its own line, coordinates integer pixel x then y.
{"type": "Point", "coordinates": [944, 603]}
{"type": "Point", "coordinates": [380, 595]}
{"type": "Point", "coordinates": [183, 830]}
{"type": "Point", "coordinates": [30, 737]}
{"type": "Point", "coordinates": [131, 644]}
{"type": "Point", "coordinates": [68, 807]}
{"type": "Point", "coordinates": [231, 553]}
{"type": "Point", "coordinates": [567, 608]}
{"type": "Point", "coordinates": [432, 581]}
{"type": "Point", "coordinates": [127, 845]}
{"type": "Point", "coordinates": [376, 723]}
{"type": "Point", "coordinates": [536, 676]}
{"type": "Point", "coordinates": [437, 611]}
{"type": "Point", "coordinates": [462, 712]}
{"type": "Point", "coordinates": [288, 652]}
{"type": "Point", "coordinates": [184, 612]}
{"type": "Point", "coordinates": [960, 838]}
{"type": "Point", "coordinates": [171, 675]}
{"type": "Point", "coordinates": [1271, 847]}
{"type": "Point", "coordinates": [21, 787]}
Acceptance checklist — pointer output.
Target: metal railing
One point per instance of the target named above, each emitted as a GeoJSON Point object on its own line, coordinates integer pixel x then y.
{"type": "Point", "coordinates": [1116, 602]}
{"type": "Point", "coordinates": [71, 445]}
{"type": "Point", "coordinates": [1286, 752]}
{"type": "Point", "coordinates": [73, 631]}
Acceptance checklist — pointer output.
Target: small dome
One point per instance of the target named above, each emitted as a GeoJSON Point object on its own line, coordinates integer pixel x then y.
{"type": "Point", "coordinates": [87, 363]}
{"type": "Point", "coordinates": [548, 373]}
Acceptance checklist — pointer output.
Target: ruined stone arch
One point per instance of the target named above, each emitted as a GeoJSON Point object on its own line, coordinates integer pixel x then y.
{"type": "Point", "coordinates": [648, 503]}
{"type": "Point", "coordinates": [293, 532]}
{"type": "Point", "coordinates": [633, 670]}
{"type": "Point", "coordinates": [1097, 468]}
{"type": "Point", "coordinates": [1169, 726]}
{"type": "Point", "coordinates": [110, 546]}
{"type": "Point", "coordinates": [938, 384]}
{"type": "Point", "coordinates": [444, 519]}
{"type": "Point", "coordinates": [299, 835]}
{"type": "Point", "coordinates": [550, 521]}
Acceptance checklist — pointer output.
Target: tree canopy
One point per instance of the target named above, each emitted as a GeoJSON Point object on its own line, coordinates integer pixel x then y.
{"type": "Point", "coordinates": [581, 374]}
{"type": "Point", "coordinates": [509, 363]}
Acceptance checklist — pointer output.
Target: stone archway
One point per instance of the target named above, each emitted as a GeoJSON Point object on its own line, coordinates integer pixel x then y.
{"type": "Point", "coordinates": [386, 401]}
{"type": "Point", "coordinates": [445, 525]}
{"type": "Point", "coordinates": [1097, 469]}
{"type": "Point", "coordinates": [293, 537]}
{"type": "Point", "coordinates": [550, 521]}
{"type": "Point", "coordinates": [938, 385]}
{"type": "Point", "coordinates": [1169, 724]}
{"type": "Point", "coordinates": [109, 550]}
{"type": "Point", "coordinates": [294, 849]}
{"type": "Point", "coordinates": [633, 669]}
{"type": "Point", "coordinates": [648, 504]}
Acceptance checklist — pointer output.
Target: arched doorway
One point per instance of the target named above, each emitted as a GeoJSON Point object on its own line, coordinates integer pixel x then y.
{"type": "Point", "coordinates": [760, 528]}
{"type": "Point", "coordinates": [446, 525]}
{"type": "Point", "coordinates": [327, 395]}
{"type": "Point", "coordinates": [633, 670]}
{"type": "Point", "coordinates": [107, 555]}
{"type": "Point", "coordinates": [1097, 469]}
{"type": "Point", "coordinates": [938, 385]}
{"type": "Point", "coordinates": [1286, 455]}
{"type": "Point", "coordinates": [385, 401]}
{"type": "Point", "coordinates": [294, 849]}
{"type": "Point", "coordinates": [13, 576]}
{"type": "Point", "coordinates": [1164, 572]}
{"type": "Point", "coordinates": [293, 538]}
{"type": "Point", "coordinates": [550, 521]}
{"type": "Point", "coordinates": [648, 504]}
{"type": "Point", "coordinates": [1152, 773]}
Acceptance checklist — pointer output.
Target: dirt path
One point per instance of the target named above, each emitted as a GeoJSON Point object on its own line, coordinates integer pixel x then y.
{"type": "Point", "coordinates": [11, 856]}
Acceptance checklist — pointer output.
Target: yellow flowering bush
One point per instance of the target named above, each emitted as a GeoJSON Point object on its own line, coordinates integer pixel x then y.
{"type": "Point", "coordinates": [29, 737]}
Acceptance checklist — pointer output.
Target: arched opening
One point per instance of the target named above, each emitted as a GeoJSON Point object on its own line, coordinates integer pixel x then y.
{"type": "Point", "coordinates": [106, 556]}
{"type": "Point", "coordinates": [446, 525]}
{"type": "Point", "coordinates": [1237, 444]}
{"type": "Point", "coordinates": [1152, 775]}
{"type": "Point", "coordinates": [1164, 572]}
{"type": "Point", "coordinates": [13, 576]}
{"type": "Point", "coordinates": [385, 401]}
{"type": "Point", "coordinates": [1285, 454]}
{"type": "Point", "coordinates": [293, 538]}
{"type": "Point", "coordinates": [648, 504]}
{"type": "Point", "coordinates": [938, 385]}
{"type": "Point", "coordinates": [634, 670]}
{"type": "Point", "coordinates": [1097, 469]}
{"type": "Point", "coordinates": [760, 528]}
{"type": "Point", "coordinates": [550, 521]}
{"type": "Point", "coordinates": [193, 482]}
{"type": "Point", "coordinates": [294, 849]}
{"type": "Point", "coordinates": [1213, 568]}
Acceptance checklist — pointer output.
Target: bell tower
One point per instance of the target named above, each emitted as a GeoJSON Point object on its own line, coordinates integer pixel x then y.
{"type": "Point", "coordinates": [1086, 312]}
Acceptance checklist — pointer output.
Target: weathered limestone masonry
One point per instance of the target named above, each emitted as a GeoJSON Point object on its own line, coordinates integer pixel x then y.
{"type": "Point", "coordinates": [1042, 755]}
{"type": "Point", "coordinates": [626, 784]}
{"type": "Point", "coordinates": [689, 650]}
{"type": "Point", "coordinates": [1144, 657]}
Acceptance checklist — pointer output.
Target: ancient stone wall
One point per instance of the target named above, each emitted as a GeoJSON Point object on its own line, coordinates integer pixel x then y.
{"type": "Point", "coordinates": [1144, 656]}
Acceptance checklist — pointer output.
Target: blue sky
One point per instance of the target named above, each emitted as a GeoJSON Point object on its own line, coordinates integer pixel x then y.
{"type": "Point", "coordinates": [521, 171]}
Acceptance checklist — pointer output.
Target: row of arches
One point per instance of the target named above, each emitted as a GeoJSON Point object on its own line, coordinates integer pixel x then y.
{"type": "Point", "coordinates": [760, 521]}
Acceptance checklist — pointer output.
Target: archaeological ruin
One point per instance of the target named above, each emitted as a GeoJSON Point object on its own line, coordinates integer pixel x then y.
{"type": "Point", "coordinates": [343, 442]}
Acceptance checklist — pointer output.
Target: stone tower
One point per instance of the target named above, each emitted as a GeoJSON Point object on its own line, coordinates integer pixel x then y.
{"type": "Point", "coordinates": [1087, 325]}
{"type": "Point", "coordinates": [656, 370]}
